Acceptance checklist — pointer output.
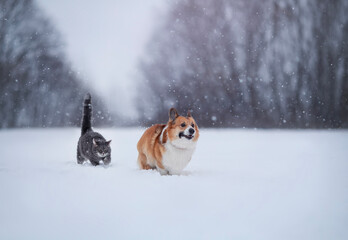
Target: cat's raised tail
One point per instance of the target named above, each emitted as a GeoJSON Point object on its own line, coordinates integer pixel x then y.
{"type": "Point", "coordinates": [87, 114]}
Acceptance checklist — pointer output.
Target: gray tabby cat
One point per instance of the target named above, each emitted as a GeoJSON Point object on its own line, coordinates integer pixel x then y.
{"type": "Point", "coordinates": [92, 146]}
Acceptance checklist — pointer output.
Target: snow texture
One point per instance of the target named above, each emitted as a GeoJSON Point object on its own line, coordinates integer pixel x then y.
{"type": "Point", "coordinates": [240, 184]}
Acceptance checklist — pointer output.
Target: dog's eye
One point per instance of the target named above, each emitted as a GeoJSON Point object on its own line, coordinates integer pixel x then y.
{"type": "Point", "coordinates": [183, 124]}
{"type": "Point", "coordinates": [192, 125]}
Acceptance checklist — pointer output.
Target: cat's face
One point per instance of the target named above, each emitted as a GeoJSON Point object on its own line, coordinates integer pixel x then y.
{"type": "Point", "coordinates": [101, 148]}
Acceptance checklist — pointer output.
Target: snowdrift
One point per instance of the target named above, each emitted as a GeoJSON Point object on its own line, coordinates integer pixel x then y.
{"type": "Point", "coordinates": [240, 184]}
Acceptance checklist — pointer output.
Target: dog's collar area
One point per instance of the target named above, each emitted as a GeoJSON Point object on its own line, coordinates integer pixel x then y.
{"type": "Point", "coordinates": [162, 133]}
{"type": "Point", "coordinates": [177, 147]}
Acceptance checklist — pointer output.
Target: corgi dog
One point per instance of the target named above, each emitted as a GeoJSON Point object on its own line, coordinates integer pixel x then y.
{"type": "Point", "coordinates": [168, 148]}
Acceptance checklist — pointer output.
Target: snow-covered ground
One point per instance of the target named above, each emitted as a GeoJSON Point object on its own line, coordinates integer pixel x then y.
{"type": "Point", "coordinates": [240, 184]}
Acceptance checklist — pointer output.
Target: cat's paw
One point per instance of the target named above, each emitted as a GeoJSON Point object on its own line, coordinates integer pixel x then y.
{"type": "Point", "coordinates": [94, 163]}
{"type": "Point", "coordinates": [107, 161]}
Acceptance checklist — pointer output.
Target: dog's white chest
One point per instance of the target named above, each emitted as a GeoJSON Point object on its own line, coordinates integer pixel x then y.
{"type": "Point", "coordinates": [176, 159]}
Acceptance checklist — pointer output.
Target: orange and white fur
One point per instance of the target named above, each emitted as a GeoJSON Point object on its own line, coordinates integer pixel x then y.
{"type": "Point", "coordinates": [169, 148]}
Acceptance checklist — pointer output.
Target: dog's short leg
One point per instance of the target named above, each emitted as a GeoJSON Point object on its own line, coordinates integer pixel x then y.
{"type": "Point", "coordinates": [142, 162]}
{"type": "Point", "coordinates": [163, 171]}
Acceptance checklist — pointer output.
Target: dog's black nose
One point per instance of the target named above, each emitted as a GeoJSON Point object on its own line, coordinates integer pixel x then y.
{"type": "Point", "coordinates": [191, 131]}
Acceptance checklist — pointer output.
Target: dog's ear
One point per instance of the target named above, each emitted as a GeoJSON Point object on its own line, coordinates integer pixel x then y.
{"type": "Point", "coordinates": [173, 114]}
{"type": "Point", "coordinates": [189, 114]}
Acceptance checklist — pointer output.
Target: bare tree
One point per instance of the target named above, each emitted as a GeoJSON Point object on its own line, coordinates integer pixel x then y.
{"type": "Point", "coordinates": [249, 63]}
{"type": "Point", "coordinates": [38, 88]}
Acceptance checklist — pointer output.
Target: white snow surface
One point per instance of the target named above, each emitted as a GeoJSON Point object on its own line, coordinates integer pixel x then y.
{"type": "Point", "coordinates": [240, 184]}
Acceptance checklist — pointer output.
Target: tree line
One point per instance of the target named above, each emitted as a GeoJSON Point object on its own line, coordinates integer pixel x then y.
{"type": "Point", "coordinates": [38, 86]}
{"type": "Point", "coordinates": [239, 63]}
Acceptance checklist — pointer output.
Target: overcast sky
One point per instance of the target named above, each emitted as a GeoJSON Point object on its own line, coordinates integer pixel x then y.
{"type": "Point", "coordinates": [104, 40]}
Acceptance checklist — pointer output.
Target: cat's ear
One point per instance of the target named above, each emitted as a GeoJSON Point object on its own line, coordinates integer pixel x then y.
{"type": "Point", "coordinates": [95, 143]}
{"type": "Point", "coordinates": [108, 142]}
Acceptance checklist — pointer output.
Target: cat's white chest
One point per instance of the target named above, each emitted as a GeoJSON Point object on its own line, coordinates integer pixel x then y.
{"type": "Point", "coordinates": [176, 159]}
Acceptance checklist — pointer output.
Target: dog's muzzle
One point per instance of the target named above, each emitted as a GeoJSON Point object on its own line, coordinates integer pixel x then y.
{"type": "Point", "coordinates": [188, 136]}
